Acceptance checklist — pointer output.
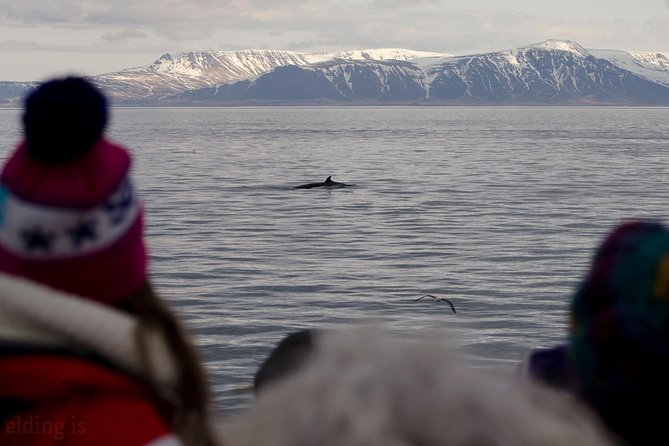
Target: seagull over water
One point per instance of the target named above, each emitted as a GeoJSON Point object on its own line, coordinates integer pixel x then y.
{"type": "Point", "coordinates": [439, 299]}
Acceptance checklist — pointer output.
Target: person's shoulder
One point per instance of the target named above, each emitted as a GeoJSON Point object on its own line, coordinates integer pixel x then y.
{"type": "Point", "coordinates": [94, 420]}
{"type": "Point", "coordinates": [112, 419]}
{"type": "Point", "coordinates": [81, 400]}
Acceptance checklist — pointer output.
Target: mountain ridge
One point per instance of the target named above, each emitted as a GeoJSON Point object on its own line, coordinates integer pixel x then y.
{"type": "Point", "coordinates": [549, 72]}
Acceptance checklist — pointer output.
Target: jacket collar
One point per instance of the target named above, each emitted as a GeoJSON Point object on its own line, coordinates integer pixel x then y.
{"type": "Point", "coordinates": [33, 313]}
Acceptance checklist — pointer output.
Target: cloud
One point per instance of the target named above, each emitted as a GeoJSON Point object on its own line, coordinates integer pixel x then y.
{"type": "Point", "coordinates": [307, 25]}
{"type": "Point", "coordinates": [123, 36]}
{"type": "Point", "coordinates": [147, 12]}
{"type": "Point", "coordinates": [396, 4]}
{"type": "Point", "coordinates": [130, 28]}
{"type": "Point", "coordinates": [19, 45]}
{"type": "Point", "coordinates": [173, 20]}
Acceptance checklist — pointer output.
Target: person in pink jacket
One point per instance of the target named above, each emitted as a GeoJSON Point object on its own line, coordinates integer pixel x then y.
{"type": "Point", "coordinates": [88, 353]}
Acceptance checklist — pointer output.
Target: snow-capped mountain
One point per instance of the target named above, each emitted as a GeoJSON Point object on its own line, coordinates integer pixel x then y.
{"type": "Point", "coordinates": [567, 46]}
{"type": "Point", "coordinates": [333, 81]}
{"type": "Point", "coordinates": [653, 66]}
{"type": "Point", "coordinates": [554, 71]}
{"type": "Point", "coordinates": [174, 73]}
{"type": "Point", "coordinates": [551, 72]}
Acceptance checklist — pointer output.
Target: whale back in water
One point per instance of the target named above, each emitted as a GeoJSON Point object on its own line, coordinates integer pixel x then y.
{"type": "Point", "coordinates": [327, 183]}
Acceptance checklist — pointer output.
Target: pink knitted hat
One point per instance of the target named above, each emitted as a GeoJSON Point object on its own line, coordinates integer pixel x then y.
{"type": "Point", "coordinates": [76, 224]}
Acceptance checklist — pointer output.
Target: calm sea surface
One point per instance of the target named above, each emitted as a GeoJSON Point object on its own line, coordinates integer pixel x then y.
{"type": "Point", "coordinates": [496, 209]}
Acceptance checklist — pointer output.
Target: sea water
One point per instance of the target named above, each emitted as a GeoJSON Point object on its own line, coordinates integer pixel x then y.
{"type": "Point", "coordinates": [497, 209]}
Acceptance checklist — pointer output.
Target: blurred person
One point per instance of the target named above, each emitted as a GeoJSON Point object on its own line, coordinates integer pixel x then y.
{"type": "Point", "coordinates": [366, 388]}
{"type": "Point", "coordinates": [616, 358]}
{"type": "Point", "coordinates": [88, 352]}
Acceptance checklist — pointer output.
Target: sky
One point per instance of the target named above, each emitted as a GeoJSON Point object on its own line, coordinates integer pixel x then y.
{"type": "Point", "coordinates": [40, 39]}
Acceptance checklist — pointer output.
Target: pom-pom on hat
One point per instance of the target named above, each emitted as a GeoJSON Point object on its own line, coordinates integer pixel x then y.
{"type": "Point", "coordinates": [63, 118]}
{"type": "Point", "coordinates": [69, 217]}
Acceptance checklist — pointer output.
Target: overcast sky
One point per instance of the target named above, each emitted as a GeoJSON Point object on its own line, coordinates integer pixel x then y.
{"type": "Point", "coordinates": [43, 38]}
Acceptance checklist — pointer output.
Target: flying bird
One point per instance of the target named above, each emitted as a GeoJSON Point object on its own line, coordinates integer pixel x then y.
{"type": "Point", "coordinates": [439, 299]}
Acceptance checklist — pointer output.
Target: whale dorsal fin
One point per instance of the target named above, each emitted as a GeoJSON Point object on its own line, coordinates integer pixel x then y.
{"type": "Point", "coordinates": [329, 180]}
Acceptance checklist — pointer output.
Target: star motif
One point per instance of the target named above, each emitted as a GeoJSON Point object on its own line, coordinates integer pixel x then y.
{"type": "Point", "coordinates": [118, 204]}
{"type": "Point", "coordinates": [84, 230]}
{"type": "Point", "coordinates": [37, 239]}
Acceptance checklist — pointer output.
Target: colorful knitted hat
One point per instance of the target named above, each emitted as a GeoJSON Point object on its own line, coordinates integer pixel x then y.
{"type": "Point", "coordinates": [620, 322]}
{"type": "Point", "coordinates": [69, 217]}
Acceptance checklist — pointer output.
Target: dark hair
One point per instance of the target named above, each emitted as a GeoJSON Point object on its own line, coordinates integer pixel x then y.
{"type": "Point", "coordinates": [63, 118]}
{"type": "Point", "coordinates": [187, 411]}
{"type": "Point", "coordinates": [286, 357]}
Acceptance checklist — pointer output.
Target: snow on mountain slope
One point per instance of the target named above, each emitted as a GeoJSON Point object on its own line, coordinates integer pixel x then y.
{"type": "Point", "coordinates": [12, 93]}
{"type": "Point", "coordinates": [562, 45]}
{"type": "Point", "coordinates": [517, 64]}
{"type": "Point", "coordinates": [222, 64]}
{"type": "Point", "coordinates": [515, 61]}
{"type": "Point", "coordinates": [554, 72]}
{"type": "Point", "coordinates": [549, 72]}
{"type": "Point", "coordinates": [383, 54]}
{"type": "Point", "coordinates": [652, 59]}
{"type": "Point", "coordinates": [174, 73]}
{"type": "Point", "coordinates": [383, 80]}
{"type": "Point", "coordinates": [332, 81]}
{"type": "Point", "coordinates": [653, 66]}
